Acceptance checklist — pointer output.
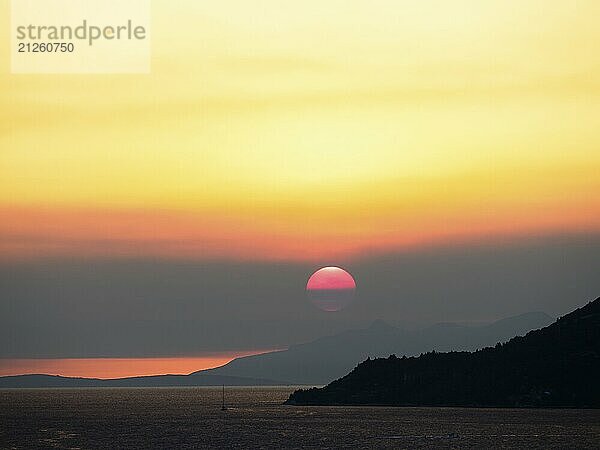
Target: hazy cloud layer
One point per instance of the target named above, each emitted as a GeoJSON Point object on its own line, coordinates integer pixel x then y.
{"type": "Point", "coordinates": [142, 308]}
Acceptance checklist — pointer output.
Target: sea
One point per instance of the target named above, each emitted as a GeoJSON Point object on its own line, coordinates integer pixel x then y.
{"type": "Point", "coordinates": [255, 417]}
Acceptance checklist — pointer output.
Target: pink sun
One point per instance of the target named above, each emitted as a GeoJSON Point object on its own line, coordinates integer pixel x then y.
{"type": "Point", "coordinates": [331, 288]}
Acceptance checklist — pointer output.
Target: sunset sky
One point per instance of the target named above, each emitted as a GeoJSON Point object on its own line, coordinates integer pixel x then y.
{"type": "Point", "coordinates": [307, 133]}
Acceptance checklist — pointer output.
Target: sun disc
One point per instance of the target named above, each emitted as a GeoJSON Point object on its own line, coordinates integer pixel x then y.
{"type": "Point", "coordinates": [331, 288]}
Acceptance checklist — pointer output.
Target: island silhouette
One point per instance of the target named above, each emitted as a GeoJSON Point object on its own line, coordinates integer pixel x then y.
{"type": "Point", "coordinates": [317, 362]}
{"type": "Point", "coordinates": [556, 366]}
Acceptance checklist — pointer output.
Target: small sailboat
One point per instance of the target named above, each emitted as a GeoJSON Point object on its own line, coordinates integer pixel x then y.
{"type": "Point", "coordinates": [223, 407]}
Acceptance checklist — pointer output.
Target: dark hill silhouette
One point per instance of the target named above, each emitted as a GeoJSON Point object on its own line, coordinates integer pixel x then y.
{"type": "Point", "coordinates": [556, 366]}
{"type": "Point", "coordinates": [325, 359]}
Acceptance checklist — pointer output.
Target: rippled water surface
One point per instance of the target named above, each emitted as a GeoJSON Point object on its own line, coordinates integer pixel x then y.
{"type": "Point", "coordinates": [191, 417]}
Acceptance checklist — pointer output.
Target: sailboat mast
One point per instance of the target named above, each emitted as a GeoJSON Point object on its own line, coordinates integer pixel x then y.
{"type": "Point", "coordinates": [223, 406]}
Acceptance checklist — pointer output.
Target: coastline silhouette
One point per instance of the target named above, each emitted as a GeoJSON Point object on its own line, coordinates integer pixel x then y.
{"type": "Point", "coordinates": [556, 366]}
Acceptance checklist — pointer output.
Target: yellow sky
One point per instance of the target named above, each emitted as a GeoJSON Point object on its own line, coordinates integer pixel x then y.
{"type": "Point", "coordinates": [361, 120]}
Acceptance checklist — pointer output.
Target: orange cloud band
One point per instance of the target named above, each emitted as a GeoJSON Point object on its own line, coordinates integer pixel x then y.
{"type": "Point", "coordinates": [30, 233]}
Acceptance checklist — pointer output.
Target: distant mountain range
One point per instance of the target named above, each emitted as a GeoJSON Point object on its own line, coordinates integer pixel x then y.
{"type": "Point", "coordinates": [320, 361]}
{"type": "Point", "coordinates": [316, 362]}
{"type": "Point", "coordinates": [556, 366]}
